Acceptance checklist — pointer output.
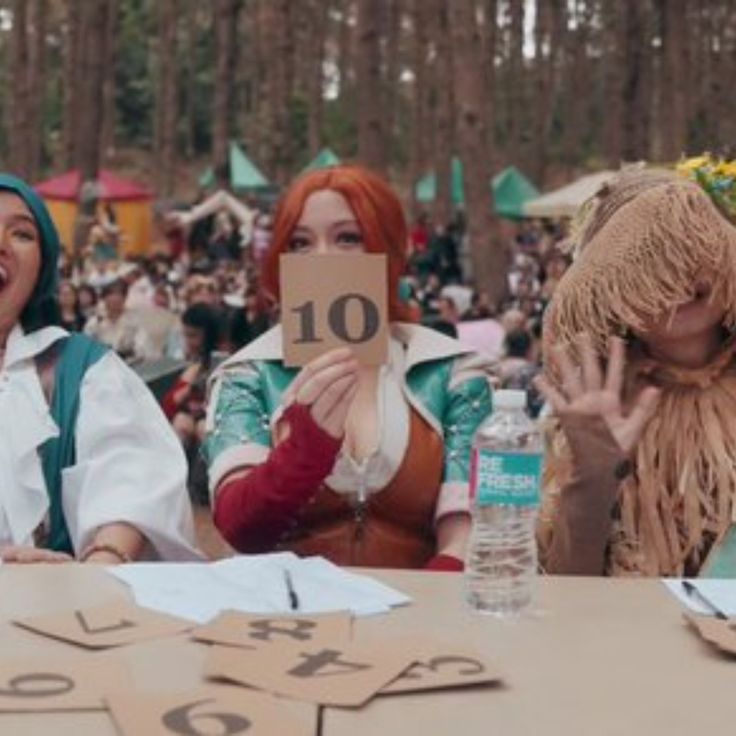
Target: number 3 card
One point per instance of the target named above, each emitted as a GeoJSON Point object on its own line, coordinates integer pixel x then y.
{"type": "Point", "coordinates": [332, 301]}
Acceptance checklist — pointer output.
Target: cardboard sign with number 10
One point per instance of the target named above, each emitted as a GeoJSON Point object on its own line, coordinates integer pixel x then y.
{"type": "Point", "coordinates": [332, 301]}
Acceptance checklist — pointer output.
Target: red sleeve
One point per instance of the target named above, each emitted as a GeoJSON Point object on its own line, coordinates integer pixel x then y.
{"type": "Point", "coordinates": [167, 403]}
{"type": "Point", "coordinates": [253, 512]}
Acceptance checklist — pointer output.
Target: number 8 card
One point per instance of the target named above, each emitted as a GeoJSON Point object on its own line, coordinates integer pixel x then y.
{"type": "Point", "coordinates": [332, 301]}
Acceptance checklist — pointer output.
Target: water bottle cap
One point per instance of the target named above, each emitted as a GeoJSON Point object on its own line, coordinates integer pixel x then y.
{"type": "Point", "coordinates": [508, 399]}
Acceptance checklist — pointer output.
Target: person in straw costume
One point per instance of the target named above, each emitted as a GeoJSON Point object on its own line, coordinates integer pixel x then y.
{"type": "Point", "coordinates": [639, 345]}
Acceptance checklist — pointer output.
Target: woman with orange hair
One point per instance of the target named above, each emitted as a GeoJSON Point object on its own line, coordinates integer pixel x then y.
{"type": "Point", "coordinates": [364, 465]}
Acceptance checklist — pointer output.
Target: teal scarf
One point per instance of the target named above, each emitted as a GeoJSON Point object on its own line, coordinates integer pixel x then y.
{"type": "Point", "coordinates": [76, 354]}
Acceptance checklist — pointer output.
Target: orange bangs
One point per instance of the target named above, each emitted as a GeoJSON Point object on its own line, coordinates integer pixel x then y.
{"type": "Point", "coordinates": [377, 210]}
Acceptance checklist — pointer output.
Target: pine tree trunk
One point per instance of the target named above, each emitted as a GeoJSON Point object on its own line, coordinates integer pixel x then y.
{"type": "Point", "coordinates": [167, 95]}
{"type": "Point", "coordinates": [36, 89]}
{"type": "Point", "coordinates": [422, 13]}
{"type": "Point", "coordinates": [107, 138]}
{"type": "Point", "coordinates": [17, 81]}
{"type": "Point", "coordinates": [72, 83]}
{"type": "Point", "coordinates": [717, 85]}
{"type": "Point", "coordinates": [672, 101]}
{"type": "Point", "coordinates": [577, 78]}
{"type": "Point", "coordinates": [444, 138]}
{"type": "Point", "coordinates": [225, 23]}
{"type": "Point", "coordinates": [545, 51]}
{"type": "Point", "coordinates": [700, 72]}
{"type": "Point", "coordinates": [614, 68]}
{"type": "Point", "coordinates": [490, 43]}
{"type": "Point", "coordinates": [315, 82]}
{"type": "Point", "coordinates": [190, 41]}
{"type": "Point", "coordinates": [724, 104]}
{"type": "Point", "coordinates": [371, 118]}
{"type": "Point", "coordinates": [393, 17]}
{"type": "Point", "coordinates": [266, 113]}
{"type": "Point", "coordinates": [637, 79]}
{"type": "Point", "coordinates": [516, 81]}
{"type": "Point", "coordinates": [487, 253]}
{"type": "Point", "coordinates": [94, 18]}
{"type": "Point", "coordinates": [283, 64]}
{"type": "Point", "coordinates": [276, 52]}
{"type": "Point", "coordinates": [345, 44]}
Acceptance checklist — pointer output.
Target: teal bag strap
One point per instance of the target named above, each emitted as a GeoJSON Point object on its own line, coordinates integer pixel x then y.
{"type": "Point", "coordinates": [76, 354]}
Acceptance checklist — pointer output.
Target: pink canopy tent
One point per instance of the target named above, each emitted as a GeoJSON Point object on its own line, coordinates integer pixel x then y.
{"type": "Point", "coordinates": [131, 203]}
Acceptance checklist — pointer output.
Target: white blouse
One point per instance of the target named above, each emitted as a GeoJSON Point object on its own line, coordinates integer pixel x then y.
{"type": "Point", "coordinates": [129, 467]}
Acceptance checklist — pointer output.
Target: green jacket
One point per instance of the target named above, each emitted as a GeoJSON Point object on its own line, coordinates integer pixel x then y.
{"type": "Point", "coordinates": [446, 383]}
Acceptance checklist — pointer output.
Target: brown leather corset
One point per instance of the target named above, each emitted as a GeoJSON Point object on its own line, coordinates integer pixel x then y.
{"type": "Point", "coordinates": [393, 528]}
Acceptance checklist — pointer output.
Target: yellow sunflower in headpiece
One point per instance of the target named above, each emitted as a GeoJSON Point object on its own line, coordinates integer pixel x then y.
{"type": "Point", "coordinates": [716, 176]}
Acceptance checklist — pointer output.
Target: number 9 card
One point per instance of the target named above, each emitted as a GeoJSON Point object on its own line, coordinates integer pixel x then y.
{"type": "Point", "coordinates": [331, 301]}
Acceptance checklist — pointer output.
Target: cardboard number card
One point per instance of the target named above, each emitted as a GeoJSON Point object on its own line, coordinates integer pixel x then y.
{"type": "Point", "coordinates": [235, 629]}
{"type": "Point", "coordinates": [440, 667]}
{"type": "Point", "coordinates": [218, 710]}
{"type": "Point", "coordinates": [719, 632]}
{"type": "Point", "coordinates": [105, 626]}
{"type": "Point", "coordinates": [344, 674]}
{"type": "Point", "coordinates": [58, 684]}
{"type": "Point", "coordinates": [332, 301]}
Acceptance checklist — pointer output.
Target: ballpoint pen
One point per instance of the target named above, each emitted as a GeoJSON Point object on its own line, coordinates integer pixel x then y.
{"type": "Point", "coordinates": [293, 597]}
{"type": "Point", "coordinates": [693, 592]}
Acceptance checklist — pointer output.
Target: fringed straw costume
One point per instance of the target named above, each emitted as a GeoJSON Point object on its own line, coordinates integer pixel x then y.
{"type": "Point", "coordinates": [643, 245]}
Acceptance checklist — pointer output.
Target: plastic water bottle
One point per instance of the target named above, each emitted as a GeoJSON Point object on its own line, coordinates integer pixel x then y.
{"type": "Point", "coordinates": [507, 459]}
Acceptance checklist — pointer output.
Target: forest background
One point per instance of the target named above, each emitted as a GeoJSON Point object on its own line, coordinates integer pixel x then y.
{"type": "Point", "coordinates": [158, 88]}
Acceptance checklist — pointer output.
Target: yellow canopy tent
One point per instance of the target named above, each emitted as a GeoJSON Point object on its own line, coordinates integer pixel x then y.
{"type": "Point", "coordinates": [131, 203]}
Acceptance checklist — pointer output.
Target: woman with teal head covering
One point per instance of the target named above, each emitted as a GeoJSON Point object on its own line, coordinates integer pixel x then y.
{"type": "Point", "coordinates": [89, 467]}
{"type": "Point", "coordinates": [41, 310]}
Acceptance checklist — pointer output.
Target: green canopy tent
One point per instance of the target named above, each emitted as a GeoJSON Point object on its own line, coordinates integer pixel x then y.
{"type": "Point", "coordinates": [426, 187]}
{"type": "Point", "coordinates": [244, 174]}
{"type": "Point", "coordinates": [324, 159]}
{"type": "Point", "coordinates": [511, 189]}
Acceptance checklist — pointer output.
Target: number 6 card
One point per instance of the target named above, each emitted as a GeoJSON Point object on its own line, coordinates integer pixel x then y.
{"type": "Point", "coordinates": [332, 301]}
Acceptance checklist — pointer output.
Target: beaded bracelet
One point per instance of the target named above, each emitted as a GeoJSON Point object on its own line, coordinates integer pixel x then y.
{"type": "Point", "coordinates": [104, 547]}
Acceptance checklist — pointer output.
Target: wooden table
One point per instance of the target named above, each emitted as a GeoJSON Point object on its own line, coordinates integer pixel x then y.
{"type": "Point", "coordinates": [599, 657]}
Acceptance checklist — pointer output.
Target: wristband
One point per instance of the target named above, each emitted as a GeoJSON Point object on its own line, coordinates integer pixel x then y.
{"type": "Point", "coordinates": [104, 547]}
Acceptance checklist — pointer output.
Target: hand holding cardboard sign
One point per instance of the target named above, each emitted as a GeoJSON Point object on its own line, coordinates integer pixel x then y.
{"type": "Point", "coordinates": [327, 385]}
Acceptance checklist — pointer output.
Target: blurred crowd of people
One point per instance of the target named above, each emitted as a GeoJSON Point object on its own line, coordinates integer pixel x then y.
{"type": "Point", "coordinates": [201, 300]}
{"type": "Point", "coordinates": [509, 331]}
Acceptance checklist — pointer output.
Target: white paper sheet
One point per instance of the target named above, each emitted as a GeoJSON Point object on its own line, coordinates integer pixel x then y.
{"type": "Point", "coordinates": [254, 584]}
{"type": "Point", "coordinates": [722, 593]}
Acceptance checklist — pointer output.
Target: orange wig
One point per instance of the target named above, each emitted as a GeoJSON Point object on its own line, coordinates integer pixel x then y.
{"type": "Point", "coordinates": [376, 208]}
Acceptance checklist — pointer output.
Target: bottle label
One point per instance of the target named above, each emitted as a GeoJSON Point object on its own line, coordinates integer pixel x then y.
{"type": "Point", "coordinates": [513, 479]}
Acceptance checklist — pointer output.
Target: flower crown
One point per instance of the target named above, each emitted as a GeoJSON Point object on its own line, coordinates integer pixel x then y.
{"type": "Point", "coordinates": [716, 176]}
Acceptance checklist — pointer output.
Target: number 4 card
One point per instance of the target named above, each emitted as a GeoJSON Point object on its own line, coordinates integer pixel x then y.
{"type": "Point", "coordinates": [332, 301]}
{"type": "Point", "coordinates": [344, 674]}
